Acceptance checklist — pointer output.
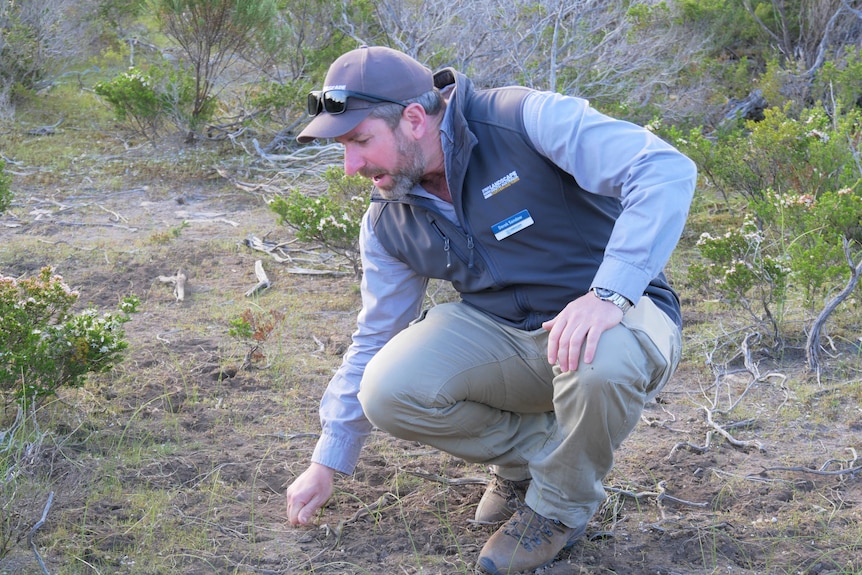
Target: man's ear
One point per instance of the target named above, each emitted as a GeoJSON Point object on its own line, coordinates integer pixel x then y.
{"type": "Point", "coordinates": [416, 119]}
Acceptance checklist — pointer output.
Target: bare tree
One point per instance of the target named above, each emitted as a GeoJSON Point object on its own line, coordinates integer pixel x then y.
{"type": "Point", "coordinates": [585, 47]}
{"type": "Point", "coordinates": [39, 39]}
{"type": "Point", "coordinates": [212, 34]}
{"type": "Point", "coordinates": [804, 31]}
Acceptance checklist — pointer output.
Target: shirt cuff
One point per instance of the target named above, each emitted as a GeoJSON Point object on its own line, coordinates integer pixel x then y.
{"type": "Point", "coordinates": [336, 454]}
{"type": "Point", "coordinates": [623, 278]}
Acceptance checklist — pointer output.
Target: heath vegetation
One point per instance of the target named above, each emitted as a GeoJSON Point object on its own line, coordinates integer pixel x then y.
{"type": "Point", "coordinates": [145, 430]}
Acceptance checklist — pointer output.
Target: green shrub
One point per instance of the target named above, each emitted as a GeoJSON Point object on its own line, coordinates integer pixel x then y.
{"type": "Point", "coordinates": [799, 181]}
{"type": "Point", "coordinates": [147, 98]}
{"type": "Point", "coordinates": [44, 346]}
{"type": "Point", "coordinates": [5, 187]}
{"type": "Point", "coordinates": [133, 99]}
{"type": "Point", "coordinates": [333, 219]}
{"type": "Point", "coordinates": [742, 266]}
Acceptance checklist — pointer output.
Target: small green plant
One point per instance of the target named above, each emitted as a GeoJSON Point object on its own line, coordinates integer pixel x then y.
{"type": "Point", "coordinates": [44, 346]}
{"type": "Point", "coordinates": [169, 234]}
{"type": "Point", "coordinates": [332, 219]}
{"type": "Point", "coordinates": [253, 329]}
{"type": "Point", "coordinates": [5, 187]}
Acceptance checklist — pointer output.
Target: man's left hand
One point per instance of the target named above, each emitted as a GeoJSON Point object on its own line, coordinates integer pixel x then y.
{"type": "Point", "coordinates": [578, 328]}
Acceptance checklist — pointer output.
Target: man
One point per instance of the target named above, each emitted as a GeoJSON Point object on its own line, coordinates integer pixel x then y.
{"type": "Point", "coordinates": [553, 222]}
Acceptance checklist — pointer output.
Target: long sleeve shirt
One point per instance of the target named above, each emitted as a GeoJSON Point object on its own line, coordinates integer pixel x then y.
{"type": "Point", "coordinates": [609, 157]}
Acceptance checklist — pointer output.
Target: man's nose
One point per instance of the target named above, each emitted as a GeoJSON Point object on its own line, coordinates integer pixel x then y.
{"type": "Point", "coordinates": [352, 162]}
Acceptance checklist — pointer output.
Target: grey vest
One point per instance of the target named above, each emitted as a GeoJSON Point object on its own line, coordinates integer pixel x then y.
{"type": "Point", "coordinates": [530, 239]}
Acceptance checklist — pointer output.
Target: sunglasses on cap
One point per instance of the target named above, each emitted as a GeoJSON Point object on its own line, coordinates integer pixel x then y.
{"type": "Point", "coordinates": [335, 101]}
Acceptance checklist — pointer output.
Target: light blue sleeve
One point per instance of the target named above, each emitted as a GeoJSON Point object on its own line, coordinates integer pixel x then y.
{"type": "Point", "coordinates": [392, 296]}
{"type": "Point", "coordinates": [653, 181]}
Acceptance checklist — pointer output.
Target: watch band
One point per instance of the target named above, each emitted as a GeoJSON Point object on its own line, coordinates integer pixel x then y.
{"type": "Point", "coordinates": [609, 295]}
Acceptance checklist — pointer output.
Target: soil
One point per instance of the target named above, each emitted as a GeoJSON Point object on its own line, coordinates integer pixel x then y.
{"type": "Point", "coordinates": [181, 421]}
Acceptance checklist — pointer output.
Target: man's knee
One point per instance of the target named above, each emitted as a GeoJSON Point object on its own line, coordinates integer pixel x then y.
{"type": "Point", "coordinates": [388, 395]}
{"type": "Point", "coordinates": [379, 399]}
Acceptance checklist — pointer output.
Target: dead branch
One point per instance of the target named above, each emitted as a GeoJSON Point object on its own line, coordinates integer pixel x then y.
{"type": "Point", "coordinates": [660, 494]}
{"type": "Point", "coordinates": [205, 217]}
{"type": "Point", "coordinates": [331, 153]}
{"type": "Point", "coordinates": [848, 467]}
{"type": "Point", "coordinates": [179, 283]}
{"type": "Point", "coordinates": [447, 480]}
{"type": "Point", "coordinates": [84, 224]}
{"type": "Point", "coordinates": [275, 250]}
{"type": "Point", "coordinates": [117, 217]}
{"type": "Point", "coordinates": [262, 280]}
{"type": "Point", "coordinates": [721, 430]}
{"type": "Point", "coordinates": [46, 130]}
{"type": "Point", "coordinates": [36, 528]}
{"type": "Point", "coordinates": [278, 252]}
{"type": "Point", "coordinates": [812, 345]}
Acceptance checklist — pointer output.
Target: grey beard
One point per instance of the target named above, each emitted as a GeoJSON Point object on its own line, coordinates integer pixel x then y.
{"type": "Point", "coordinates": [402, 185]}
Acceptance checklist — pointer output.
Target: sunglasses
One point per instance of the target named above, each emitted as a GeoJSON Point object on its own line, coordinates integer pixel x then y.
{"type": "Point", "coordinates": [335, 101]}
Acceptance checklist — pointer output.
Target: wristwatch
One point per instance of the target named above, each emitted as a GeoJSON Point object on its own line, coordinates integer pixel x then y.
{"type": "Point", "coordinates": [613, 297]}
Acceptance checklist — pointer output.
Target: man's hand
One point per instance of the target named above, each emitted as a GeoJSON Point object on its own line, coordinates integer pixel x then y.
{"type": "Point", "coordinates": [580, 324]}
{"type": "Point", "coordinates": [308, 493]}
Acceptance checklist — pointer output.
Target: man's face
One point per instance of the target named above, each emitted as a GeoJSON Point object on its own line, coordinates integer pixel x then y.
{"type": "Point", "coordinates": [392, 161]}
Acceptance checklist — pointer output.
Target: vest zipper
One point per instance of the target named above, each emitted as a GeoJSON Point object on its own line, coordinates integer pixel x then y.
{"type": "Point", "coordinates": [446, 247]}
{"type": "Point", "coordinates": [470, 247]}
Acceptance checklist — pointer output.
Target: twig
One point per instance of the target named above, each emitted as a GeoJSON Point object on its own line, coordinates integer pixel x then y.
{"type": "Point", "coordinates": [850, 471]}
{"type": "Point", "coordinates": [83, 224]}
{"type": "Point", "coordinates": [447, 480]}
{"type": "Point", "coordinates": [660, 494]}
{"type": "Point", "coordinates": [117, 217]}
{"type": "Point", "coordinates": [35, 528]}
{"type": "Point", "coordinates": [283, 435]}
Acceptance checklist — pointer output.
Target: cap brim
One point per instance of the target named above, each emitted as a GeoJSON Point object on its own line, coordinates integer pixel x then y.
{"type": "Point", "coordinates": [325, 126]}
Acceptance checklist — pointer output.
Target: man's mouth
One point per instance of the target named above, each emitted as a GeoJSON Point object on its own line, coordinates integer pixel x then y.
{"type": "Point", "coordinates": [377, 179]}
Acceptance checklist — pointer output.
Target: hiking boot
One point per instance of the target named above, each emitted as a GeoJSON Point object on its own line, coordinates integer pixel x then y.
{"type": "Point", "coordinates": [500, 500]}
{"type": "Point", "coordinates": [527, 541]}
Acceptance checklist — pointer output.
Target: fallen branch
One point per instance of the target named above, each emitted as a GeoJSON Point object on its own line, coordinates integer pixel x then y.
{"type": "Point", "coordinates": [331, 152]}
{"type": "Point", "coordinates": [204, 217]}
{"type": "Point", "coordinates": [447, 480]}
{"type": "Point", "coordinates": [721, 430]}
{"type": "Point", "coordinates": [83, 224]}
{"type": "Point", "coordinates": [272, 248]}
{"type": "Point", "coordinates": [660, 495]}
{"type": "Point", "coordinates": [263, 281]}
{"type": "Point", "coordinates": [45, 130]}
{"type": "Point", "coordinates": [117, 217]}
{"type": "Point", "coordinates": [851, 468]}
{"type": "Point", "coordinates": [179, 283]}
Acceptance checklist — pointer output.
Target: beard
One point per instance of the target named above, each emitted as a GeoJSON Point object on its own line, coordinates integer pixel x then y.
{"type": "Point", "coordinates": [408, 172]}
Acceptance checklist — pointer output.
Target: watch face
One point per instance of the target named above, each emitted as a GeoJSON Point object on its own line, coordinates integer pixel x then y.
{"type": "Point", "coordinates": [603, 293]}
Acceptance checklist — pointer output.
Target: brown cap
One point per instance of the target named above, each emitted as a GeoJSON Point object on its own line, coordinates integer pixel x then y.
{"type": "Point", "coordinates": [375, 70]}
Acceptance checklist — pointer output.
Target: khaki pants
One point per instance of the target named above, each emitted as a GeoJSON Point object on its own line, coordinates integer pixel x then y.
{"type": "Point", "coordinates": [482, 391]}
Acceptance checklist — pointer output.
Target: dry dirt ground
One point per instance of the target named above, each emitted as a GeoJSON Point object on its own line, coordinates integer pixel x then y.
{"type": "Point", "coordinates": [211, 447]}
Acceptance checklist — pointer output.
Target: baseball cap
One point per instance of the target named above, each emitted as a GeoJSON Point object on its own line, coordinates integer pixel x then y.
{"type": "Point", "coordinates": [373, 70]}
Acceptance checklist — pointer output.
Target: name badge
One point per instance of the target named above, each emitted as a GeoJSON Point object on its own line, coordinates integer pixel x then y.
{"type": "Point", "coordinates": [512, 224]}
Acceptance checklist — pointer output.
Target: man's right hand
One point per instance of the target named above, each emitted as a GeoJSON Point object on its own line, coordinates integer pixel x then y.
{"type": "Point", "coordinates": [308, 493]}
